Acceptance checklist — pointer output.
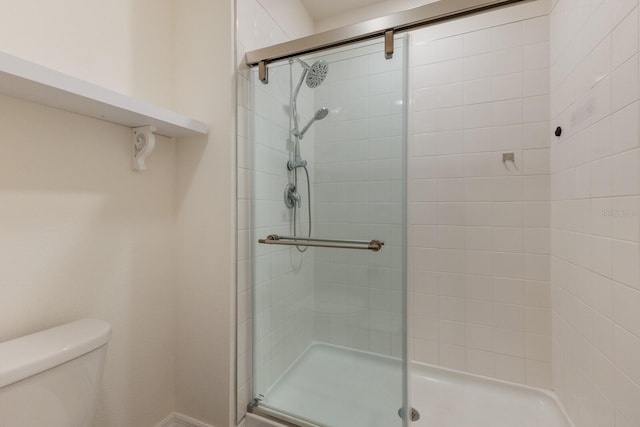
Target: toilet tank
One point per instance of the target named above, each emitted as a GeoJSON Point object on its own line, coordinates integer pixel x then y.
{"type": "Point", "coordinates": [51, 378]}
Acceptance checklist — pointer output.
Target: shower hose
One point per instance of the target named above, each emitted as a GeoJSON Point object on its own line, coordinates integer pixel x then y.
{"type": "Point", "coordinates": [295, 208]}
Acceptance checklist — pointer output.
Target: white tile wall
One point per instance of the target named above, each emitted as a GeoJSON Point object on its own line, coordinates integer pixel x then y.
{"type": "Point", "coordinates": [479, 228]}
{"type": "Point", "coordinates": [595, 212]}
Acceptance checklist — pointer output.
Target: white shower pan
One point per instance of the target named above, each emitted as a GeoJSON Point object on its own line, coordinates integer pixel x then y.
{"type": "Point", "coordinates": [313, 388]}
{"type": "Point", "coordinates": [447, 398]}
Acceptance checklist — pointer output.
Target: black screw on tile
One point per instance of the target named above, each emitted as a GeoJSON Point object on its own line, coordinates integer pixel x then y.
{"type": "Point", "coordinates": [558, 131]}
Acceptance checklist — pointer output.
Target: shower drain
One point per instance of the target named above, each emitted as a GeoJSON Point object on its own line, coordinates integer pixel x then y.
{"type": "Point", "coordinates": [415, 415]}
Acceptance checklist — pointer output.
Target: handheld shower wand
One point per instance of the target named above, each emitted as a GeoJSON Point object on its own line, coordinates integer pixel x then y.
{"type": "Point", "coordinates": [298, 162]}
{"type": "Point", "coordinates": [313, 76]}
{"type": "Point", "coordinates": [319, 115]}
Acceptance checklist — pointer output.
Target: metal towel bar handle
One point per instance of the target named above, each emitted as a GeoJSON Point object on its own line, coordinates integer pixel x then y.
{"type": "Point", "coordinates": [274, 239]}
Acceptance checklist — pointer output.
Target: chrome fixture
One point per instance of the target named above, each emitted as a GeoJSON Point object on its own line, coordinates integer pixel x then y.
{"type": "Point", "coordinates": [316, 73]}
{"type": "Point", "coordinates": [313, 75]}
{"type": "Point", "coordinates": [292, 198]}
{"type": "Point", "coordinates": [319, 115]}
{"type": "Point", "coordinates": [294, 164]}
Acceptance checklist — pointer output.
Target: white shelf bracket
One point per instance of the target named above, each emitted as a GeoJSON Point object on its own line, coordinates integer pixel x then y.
{"type": "Point", "coordinates": [143, 143]}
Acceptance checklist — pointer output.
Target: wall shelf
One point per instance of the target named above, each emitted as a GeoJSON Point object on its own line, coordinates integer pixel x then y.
{"type": "Point", "coordinates": [32, 82]}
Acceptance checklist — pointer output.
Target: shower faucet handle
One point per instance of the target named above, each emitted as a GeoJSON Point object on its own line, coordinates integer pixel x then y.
{"type": "Point", "coordinates": [291, 197]}
{"type": "Point", "coordinates": [298, 198]}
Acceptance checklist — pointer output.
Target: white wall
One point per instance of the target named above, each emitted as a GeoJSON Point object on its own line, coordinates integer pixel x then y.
{"type": "Point", "coordinates": [205, 88]}
{"type": "Point", "coordinates": [375, 10]}
{"type": "Point", "coordinates": [290, 16]}
{"type": "Point", "coordinates": [479, 229]}
{"type": "Point", "coordinates": [83, 235]}
{"type": "Point", "coordinates": [120, 44]}
{"type": "Point", "coordinates": [88, 237]}
{"type": "Point", "coordinates": [595, 211]}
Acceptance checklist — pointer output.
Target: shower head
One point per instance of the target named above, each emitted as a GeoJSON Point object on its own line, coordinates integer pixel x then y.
{"type": "Point", "coordinates": [317, 73]}
{"type": "Point", "coordinates": [319, 115]}
{"type": "Point", "coordinates": [314, 74]}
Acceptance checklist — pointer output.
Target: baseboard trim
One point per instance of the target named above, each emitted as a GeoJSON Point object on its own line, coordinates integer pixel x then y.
{"type": "Point", "coordinates": [178, 420]}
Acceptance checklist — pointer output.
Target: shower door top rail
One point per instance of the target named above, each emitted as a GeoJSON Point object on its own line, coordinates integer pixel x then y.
{"type": "Point", "coordinates": [398, 22]}
{"type": "Point", "coordinates": [274, 239]}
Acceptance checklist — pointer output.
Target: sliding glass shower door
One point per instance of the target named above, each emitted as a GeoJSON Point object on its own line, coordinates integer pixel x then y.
{"type": "Point", "coordinates": [328, 238]}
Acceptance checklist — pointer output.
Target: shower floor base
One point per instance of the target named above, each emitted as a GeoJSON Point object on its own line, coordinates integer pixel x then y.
{"type": "Point", "coordinates": [339, 387]}
{"type": "Point", "coordinates": [448, 398]}
{"type": "Point", "coordinates": [332, 386]}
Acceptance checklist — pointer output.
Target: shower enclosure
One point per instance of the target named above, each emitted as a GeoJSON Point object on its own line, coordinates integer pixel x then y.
{"type": "Point", "coordinates": [328, 221]}
{"type": "Point", "coordinates": [329, 241]}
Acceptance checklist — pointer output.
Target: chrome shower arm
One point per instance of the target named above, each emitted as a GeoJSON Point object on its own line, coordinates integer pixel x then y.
{"type": "Point", "coordinates": [294, 102]}
{"type": "Point", "coordinates": [319, 115]}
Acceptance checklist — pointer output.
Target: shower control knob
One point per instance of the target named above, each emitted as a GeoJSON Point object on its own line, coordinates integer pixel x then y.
{"type": "Point", "coordinates": [291, 197]}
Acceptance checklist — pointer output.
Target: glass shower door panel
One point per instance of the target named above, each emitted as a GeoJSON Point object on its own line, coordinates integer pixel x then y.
{"type": "Point", "coordinates": [282, 278]}
{"type": "Point", "coordinates": [330, 323]}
